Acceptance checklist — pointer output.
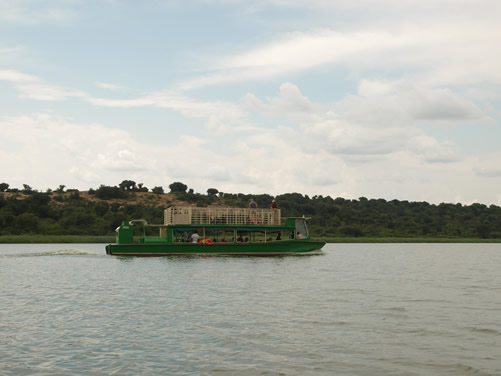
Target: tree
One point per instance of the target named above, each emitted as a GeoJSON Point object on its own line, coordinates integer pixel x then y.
{"type": "Point", "coordinates": [4, 187]}
{"type": "Point", "coordinates": [106, 193]}
{"type": "Point", "coordinates": [128, 185]}
{"type": "Point", "coordinates": [27, 223]}
{"type": "Point", "coordinates": [158, 190]}
{"type": "Point", "coordinates": [212, 191]}
{"type": "Point", "coordinates": [178, 187]}
{"type": "Point", "coordinates": [27, 188]}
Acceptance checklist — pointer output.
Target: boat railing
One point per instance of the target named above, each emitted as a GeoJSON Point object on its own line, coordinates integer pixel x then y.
{"type": "Point", "coordinates": [188, 215]}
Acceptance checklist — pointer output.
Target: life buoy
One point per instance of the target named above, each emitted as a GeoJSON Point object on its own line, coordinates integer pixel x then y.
{"type": "Point", "coordinates": [209, 242]}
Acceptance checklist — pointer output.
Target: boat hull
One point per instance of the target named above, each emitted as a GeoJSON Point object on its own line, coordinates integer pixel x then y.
{"type": "Point", "coordinates": [230, 249]}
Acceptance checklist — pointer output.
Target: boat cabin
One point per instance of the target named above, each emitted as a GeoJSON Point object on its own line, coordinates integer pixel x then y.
{"type": "Point", "coordinates": [215, 225]}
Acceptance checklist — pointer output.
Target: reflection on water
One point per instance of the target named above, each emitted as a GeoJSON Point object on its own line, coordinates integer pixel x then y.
{"type": "Point", "coordinates": [358, 309]}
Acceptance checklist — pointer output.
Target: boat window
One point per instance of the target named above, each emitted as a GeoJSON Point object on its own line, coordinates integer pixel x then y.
{"type": "Point", "coordinates": [220, 235]}
{"type": "Point", "coordinates": [258, 236]}
{"type": "Point", "coordinates": [301, 229]}
{"type": "Point", "coordinates": [183, 235]}
{"type": "Point", "coordinates": [154, 231]}
{"type": "Point", "coordinates": [274, 235]}
{"type": "Point", "coordinates": [252, 236]}
{"type": "Point", "coordinates": [243, 236]}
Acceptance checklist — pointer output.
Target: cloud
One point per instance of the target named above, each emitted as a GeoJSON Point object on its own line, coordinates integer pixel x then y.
{"type": "Point", "coordinates": [290, 102]}
{"type": "Point", "coordinates": [438, 43]}
{"type": "Point", "coordinates": [107, 85]}
{"type": "Point", "coordinates": [381, 101]}
{"type": "Point", "coordinates": [32, 87]}
{"type": "Point", "coordinates": [46, 148]}
{"type": "Point", "coordinates": [43, 92]}
{"type": "Point", "coordinates": [488, 166]}
{"type": "Point", "coordinates": [362, 128]}
{"type": "Point", "coordinates": [294, 52]}
{"type": "Point", "coordinates": [53, 148]}
{"type": "Point", "coordinates": [26, 12]}
{"type": "Point", "coordinates": [17, 77]}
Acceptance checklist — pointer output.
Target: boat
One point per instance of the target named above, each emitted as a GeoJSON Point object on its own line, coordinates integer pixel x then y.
{"type": "Point", "coordinates": [215, 231]}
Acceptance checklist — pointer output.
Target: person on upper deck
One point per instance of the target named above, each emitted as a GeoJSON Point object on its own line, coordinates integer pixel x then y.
{"type": "Point", "coordinates": [252, 204]}
{"type": "Point", "coordinates": [273, 204]}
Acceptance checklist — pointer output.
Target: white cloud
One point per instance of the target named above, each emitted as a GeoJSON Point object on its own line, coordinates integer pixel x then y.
{"type": "Point", "coordinates": [17, 77]}
{"type": "Point", "coordinates": [488, 166]}
{"type": "Point", "coordinates": [290, 103]}
{"type": "Point", "coordinates": [53, 148]}
{"type": "Point", "coordinates": [43, 92]}
{"type": "Point", "coordinates": [27, 12]}
{"type": "Point", "coordinates": [107, 85]}
{"type": "Point", "coordinates": [32, 87]}
{"type": "Point", "coordinates": [363, 128]}
{"type": "Point", "coordinates": [45, 148]}
{"type": "Point", "coordinates": [381, 101]}
{"type": "Point", "coordinates": [454, 48]}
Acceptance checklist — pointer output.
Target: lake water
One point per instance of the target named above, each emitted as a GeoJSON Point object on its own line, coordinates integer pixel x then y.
{"type": "Point", "coordinates": [358, 309]}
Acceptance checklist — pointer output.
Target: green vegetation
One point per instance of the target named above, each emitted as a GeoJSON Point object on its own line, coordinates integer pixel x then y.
{"type": "Point", "coordinates": [27, 215]}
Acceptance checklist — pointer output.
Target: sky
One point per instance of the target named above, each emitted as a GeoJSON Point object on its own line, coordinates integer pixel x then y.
{"type": "Point", "coordinates": [382, 99]}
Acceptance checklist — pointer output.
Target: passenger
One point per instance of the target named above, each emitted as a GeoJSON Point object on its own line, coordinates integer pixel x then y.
{"type": "Point", "coordinates": [240, 239]}
{"type": "Point", "coordinates": [279, 236]}
{"type": "Point", "coordinates": [273, 205]}
{"type": "Point", "coordinates": [252, 204]}
{"type": "Point", "coordinates": [195, 238]}
{"type": "Point", "coordinates": [186, 237]}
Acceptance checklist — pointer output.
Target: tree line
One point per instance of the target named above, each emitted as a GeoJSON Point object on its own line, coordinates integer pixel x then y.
{"type": "Point", "coordinates": [69, 212]}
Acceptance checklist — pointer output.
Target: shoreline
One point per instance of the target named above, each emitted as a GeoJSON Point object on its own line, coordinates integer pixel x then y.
{"type": "Point", "coordinates": [407, 240]}
{"type": "Point", "coordinates": [47, 239]}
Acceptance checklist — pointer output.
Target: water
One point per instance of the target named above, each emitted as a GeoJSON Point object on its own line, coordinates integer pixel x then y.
{"type": "Point", "coordinates": [358, 309]}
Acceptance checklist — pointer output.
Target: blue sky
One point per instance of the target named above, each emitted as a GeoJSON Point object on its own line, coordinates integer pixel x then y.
{"type": "Point", "coordinates": [374, 98]}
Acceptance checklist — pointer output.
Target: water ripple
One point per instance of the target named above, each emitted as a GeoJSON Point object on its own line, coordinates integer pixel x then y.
{"type": "Point", "coordinates": [356, 310]}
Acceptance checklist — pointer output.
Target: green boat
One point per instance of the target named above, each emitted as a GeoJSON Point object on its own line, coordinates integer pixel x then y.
{"type": "Point", "coordinates": [215, 231]}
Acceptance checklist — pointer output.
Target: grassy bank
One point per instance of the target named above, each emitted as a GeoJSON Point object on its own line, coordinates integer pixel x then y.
{"type": "Point", "coordinates": [56, 239]}
{"type": "Point", "coordinates": [111, 239]}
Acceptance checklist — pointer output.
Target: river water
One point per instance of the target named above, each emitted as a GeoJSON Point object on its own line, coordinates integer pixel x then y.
{"type": "Point", "coordinates": [357, 309]}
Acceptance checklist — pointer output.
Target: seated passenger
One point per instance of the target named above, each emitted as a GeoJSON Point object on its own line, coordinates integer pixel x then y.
{"type": "Point", "coordinates": [195, 238]}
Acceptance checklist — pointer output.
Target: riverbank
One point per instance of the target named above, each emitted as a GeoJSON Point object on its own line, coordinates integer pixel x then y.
{"type": "Point", "coordinates": [111, 239]}
{"type": "Point", "coordinates": [406, 240]}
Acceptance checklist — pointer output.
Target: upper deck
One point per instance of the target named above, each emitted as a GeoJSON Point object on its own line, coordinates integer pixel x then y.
{"type": "Point", "coordinates": [188, 215]}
